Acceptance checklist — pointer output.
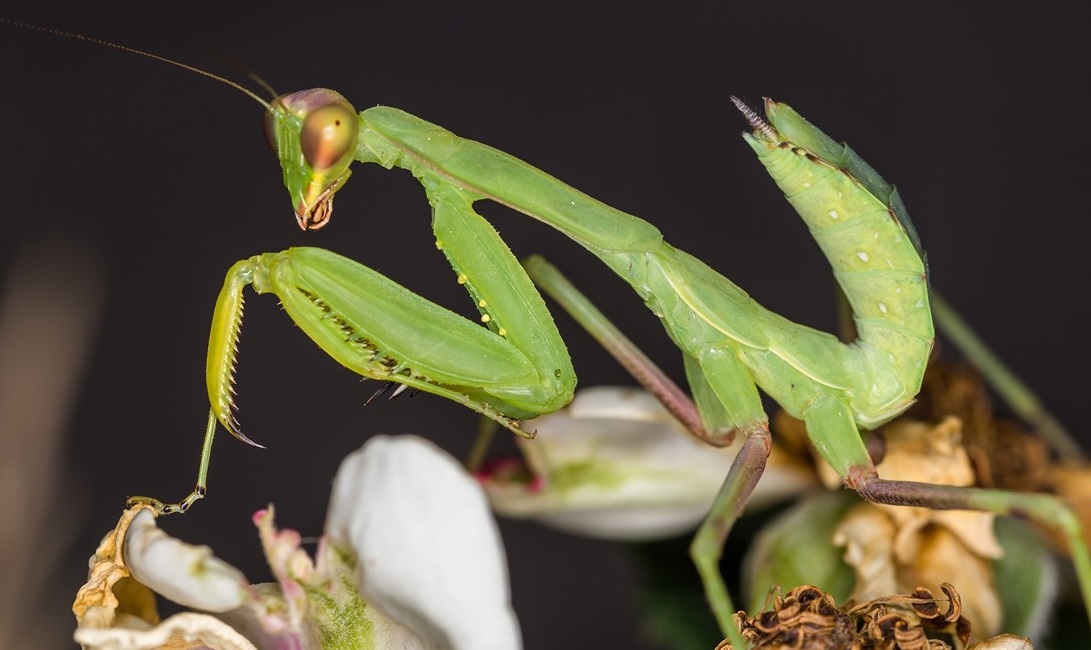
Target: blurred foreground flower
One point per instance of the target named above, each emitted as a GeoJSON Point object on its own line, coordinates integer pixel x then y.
{"type": "Point", "coordinates": [614, 464]}
{"type": "Point", "coordinates": [411, 558]}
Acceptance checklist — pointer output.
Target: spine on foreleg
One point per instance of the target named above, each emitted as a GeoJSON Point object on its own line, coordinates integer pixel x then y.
{"type": "Point", "coordinates": [223, 345]}
{"type": "Point", "coordinates": [861, 226]}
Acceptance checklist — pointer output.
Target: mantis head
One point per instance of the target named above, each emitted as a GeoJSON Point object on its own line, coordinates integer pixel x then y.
{"type": "Point", "coordinates": [312, 131]}
{"type": "Point", "coordinates": [314, 135]}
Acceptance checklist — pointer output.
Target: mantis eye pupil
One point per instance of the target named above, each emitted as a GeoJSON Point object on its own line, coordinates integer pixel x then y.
{"type": "Point", "coordinates": [328, 135]}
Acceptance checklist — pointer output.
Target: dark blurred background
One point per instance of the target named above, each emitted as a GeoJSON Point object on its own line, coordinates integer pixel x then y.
{"type": "Point", "coordinates": [978, 115]}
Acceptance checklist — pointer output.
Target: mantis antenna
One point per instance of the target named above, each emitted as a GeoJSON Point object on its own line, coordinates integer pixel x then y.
{"type": "Point", "coordinates": [132, 50]}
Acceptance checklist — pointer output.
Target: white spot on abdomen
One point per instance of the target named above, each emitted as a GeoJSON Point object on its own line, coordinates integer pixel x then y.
{"type": "Point", "coordinates": [832, 214]}
{"type": "Point", "coordinates": [882, 307]}
{"type": "Point", "coordinates": [863, 256]}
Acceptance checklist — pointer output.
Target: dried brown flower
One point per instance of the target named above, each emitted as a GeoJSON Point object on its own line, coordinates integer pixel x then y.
{"type": "Point", "coordinates": [807, 617]}
{"type": "Point", "coordinates": [1005, 454]}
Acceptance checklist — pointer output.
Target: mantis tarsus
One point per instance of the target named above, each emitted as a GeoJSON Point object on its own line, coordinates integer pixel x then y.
{"type": "Point", "coordinates": [517, 366]}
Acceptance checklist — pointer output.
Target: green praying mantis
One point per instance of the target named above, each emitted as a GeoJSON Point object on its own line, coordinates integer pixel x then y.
{"type": "Point", "coordinates": [513, 364]}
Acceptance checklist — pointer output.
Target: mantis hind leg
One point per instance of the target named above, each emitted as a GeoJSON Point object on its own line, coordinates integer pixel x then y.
{"type": "Point", "coordinates": [1045, 509]}
{"type": "Point", "coordinates": [859, 474]}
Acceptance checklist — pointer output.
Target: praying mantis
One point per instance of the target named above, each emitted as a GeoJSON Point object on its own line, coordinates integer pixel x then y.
{"type": "Point", "coordinates": [516, 364]}
{"type": "Point", "coordinates": [525, 370]}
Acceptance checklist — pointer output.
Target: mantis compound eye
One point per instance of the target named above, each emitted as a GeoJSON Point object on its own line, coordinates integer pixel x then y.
{"type": "Point", "coordinates": [314, 134]}
{"type": "Point", "coordinates": [328, 135]}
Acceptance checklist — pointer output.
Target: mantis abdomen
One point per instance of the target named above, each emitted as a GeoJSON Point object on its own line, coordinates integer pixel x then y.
{"type": "Point", "coordinates": [862, 227]}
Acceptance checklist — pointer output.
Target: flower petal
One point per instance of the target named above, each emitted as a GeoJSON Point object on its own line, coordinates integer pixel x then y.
{"type": "Point", "coordinates": [187, 630]}
{"type": "Point", "coordinates": [109, 585]}
{"type": "Point", "coordinates": [1004, 642]}
{"type": "Point", "coordinates": [189, 575]}
{"type": "Point", "coordinates": [428, 551]}
{"type": "Point", "coordinates": [616, 465]}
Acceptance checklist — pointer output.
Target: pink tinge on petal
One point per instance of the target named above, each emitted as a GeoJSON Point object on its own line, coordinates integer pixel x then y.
{"type": "Point", "coordinates": [510, 475]}
{"type": "Point", "coordinates": [502, 470]}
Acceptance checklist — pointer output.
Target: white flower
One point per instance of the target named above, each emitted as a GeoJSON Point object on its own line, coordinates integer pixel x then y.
{"type": "Point", "coordinates": [189, 575]}
{"type": "Point", "coordinates": [408, 529]}
{"type": "Point", "coordinates": [436, 567]}
{"type": "Point", "coordinates": [615, 464]}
